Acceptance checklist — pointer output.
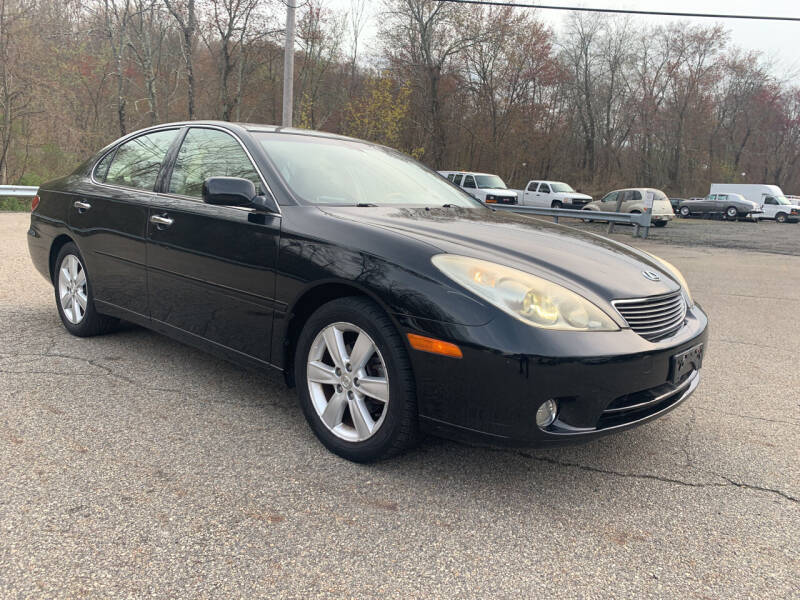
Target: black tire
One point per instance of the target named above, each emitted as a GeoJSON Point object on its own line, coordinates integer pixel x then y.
{"type": "Point", "coordinates": [399, 430]}
{"type": "Point", "coordinates": [660, 223]}
{"type": "Point", "coordinates": [92, 323]}
{"type": "Point", "coordinates": [685, 212]}
{"type": "Point", "coordinates": [556, 204]}
{"type": "Point", "coordinates": [781, 217]}
{"type": "Point", "coordinates": [731, 213]}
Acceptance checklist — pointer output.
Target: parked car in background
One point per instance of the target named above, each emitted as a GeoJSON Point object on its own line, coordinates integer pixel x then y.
{"type": "Point", "coordinates": [676, 203]}
{"type": "Point", "coordinates": [553, 194]}
{"type": "Point", "coordinates": [637, 200]}
{"type": "Point", "coordinates": [486, 187]}
{"type": "Point", "coordinates": [733, 206]}
{"type": "Point", "coordinates": [774, 204]}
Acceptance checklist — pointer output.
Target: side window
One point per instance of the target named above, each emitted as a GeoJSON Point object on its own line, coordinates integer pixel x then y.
{"type": "Point", "coordinates": [770, 200]}
{"type": "Point", "coordinates": [469, 181]}
{"type": "Point", "coordinates": [636, 195]}
{"type": "Point", "coordinates": [101, 168]}
{"type": "Point", "coordinates": [450, 176]}
{"type": "Point", "coordinates": [208, 153]}
{"type": "Point", "coordinates": [136, 163]}
{"type": "Point", "coordinates": [712, 197]}
{"type": "Point", "coordinates": [543, 188]}
{"type": "Point", "coordinates": [612, 197]}
{"type": "Point", "coordinates": [457, 179]}
{"type": "Point", "coordinates": [532, 186]}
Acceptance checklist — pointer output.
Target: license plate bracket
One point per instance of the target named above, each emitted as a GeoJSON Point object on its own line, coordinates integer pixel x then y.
{"type": "Point", "coordinates": [685, 362]}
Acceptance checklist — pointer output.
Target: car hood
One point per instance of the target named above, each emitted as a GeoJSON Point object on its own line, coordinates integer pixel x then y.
{"type": "Point", "coordinates": [573, 196]}
{"type": "Point", "coordinates": [498, 191]}
{"type": "Point", "coordinates": [596, 267]}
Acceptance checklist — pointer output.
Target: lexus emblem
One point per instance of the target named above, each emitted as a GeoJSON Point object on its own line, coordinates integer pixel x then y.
{"type": "Point", "coordinates": [651, 275]}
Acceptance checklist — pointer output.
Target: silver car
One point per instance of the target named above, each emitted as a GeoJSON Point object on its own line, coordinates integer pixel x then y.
{"type": "Point", "coordinates": [636, 200]}
{"type": "Point", "coordinates": [732, 206]}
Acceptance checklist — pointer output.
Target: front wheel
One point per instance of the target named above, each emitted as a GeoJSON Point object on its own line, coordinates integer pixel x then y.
{"type": "Point", "coordinates": [355, 382]}
{"type": "Point", "coordinates": [74, 297]}
{"type": "Point", "coordinates": [780, 217]}
{"type": "Point", "coordinates": [685, 212]}
{"type": "Point", "coordinates": [660, 223]}
{"type": "Point", "coordinates": [556, 204]}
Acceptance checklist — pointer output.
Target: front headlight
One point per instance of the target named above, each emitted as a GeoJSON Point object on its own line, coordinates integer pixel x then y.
{"type": "Point", "coordinates": [530, 299]}
{"type": "Point", "coordinates": [673, 270]}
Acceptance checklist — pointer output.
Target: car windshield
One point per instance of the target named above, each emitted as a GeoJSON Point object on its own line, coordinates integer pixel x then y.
{"type": "Point", "coordinates": [782, 200]}
{"type": "Point", "coordinates": [347, 173]}
{"type": "Point", "coordinates": [561, 187]}
{"type": "Point", "coordinates": [490, 182]}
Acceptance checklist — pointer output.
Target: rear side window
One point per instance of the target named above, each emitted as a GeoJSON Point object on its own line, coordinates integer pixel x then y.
{"type": "Point", "coordinates": [208, 153]}
{"type": "Point", "coordinates": [137, 162]}
{"type": "Point", "coordinates": [544, 188]}
{"type": "Point", "coordinates": [101, 168]}
{"type": "Point", "coordinates": [450, 176]}
{"type": "Point", "coordinates": [469, 181]}
{"type": "Point", "coordinates": [457, 179]}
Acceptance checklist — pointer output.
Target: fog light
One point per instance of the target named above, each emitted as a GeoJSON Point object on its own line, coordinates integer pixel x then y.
{"type": "Point", "coordinates": [546, 413]}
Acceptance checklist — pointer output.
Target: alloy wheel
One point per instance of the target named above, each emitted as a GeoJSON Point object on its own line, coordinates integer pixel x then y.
{"type": "Point", "coordinates": [72, 289]}
{"type": "Point", "coordinates": [348, 381]}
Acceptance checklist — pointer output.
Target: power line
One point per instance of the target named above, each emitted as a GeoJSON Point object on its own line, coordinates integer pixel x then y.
{"type": "Point", "coordinates": [625, 11]}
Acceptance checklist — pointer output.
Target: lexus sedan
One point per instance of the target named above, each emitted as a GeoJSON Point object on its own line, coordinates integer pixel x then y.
{"type": "Point", "coordinates": [392, 300]}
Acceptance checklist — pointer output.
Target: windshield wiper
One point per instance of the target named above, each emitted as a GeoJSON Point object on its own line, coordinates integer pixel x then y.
{"type": "Point", "coordinates": [448, 205]}
{"type": "Point", "coordinates": [365, 204]}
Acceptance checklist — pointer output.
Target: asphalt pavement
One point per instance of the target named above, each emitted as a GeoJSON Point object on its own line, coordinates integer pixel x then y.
{"type": "Point", "coordinates": [132, 466]}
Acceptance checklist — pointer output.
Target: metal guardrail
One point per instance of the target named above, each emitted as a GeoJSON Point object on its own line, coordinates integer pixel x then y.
{"type": "Point", "coordinates": [640, 221]}
{"type": "Point", "coordinates": [19, 191]}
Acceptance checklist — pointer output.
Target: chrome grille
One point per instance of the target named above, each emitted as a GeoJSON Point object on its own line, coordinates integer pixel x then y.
{"type": "Point", "coordinates": [655, 317]}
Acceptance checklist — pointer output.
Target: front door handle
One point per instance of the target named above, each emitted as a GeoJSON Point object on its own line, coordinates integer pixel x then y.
{"type": "Point", "coordinates": [80, 205]}
{"type": "Point", "coordinates": [161, 221]}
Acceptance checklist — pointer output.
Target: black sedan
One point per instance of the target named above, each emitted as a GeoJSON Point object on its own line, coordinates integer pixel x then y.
{"type": "Point", "coordinates": [392, 300]}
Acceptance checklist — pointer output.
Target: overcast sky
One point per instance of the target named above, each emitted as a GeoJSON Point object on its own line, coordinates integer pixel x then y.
{"type": "Point", "coordinates": [779, 41]}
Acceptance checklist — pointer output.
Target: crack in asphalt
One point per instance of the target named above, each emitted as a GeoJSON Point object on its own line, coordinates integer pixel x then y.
{"type": "Point", "coordinates": [729, 482]}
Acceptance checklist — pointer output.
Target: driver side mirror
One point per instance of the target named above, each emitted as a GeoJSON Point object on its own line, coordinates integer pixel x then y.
{"type": "Point", "coordinates": [236, 191]}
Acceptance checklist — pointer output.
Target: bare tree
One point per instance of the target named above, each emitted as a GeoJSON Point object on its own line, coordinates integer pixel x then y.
{"type": "Point", "coordinates": [184, 13]}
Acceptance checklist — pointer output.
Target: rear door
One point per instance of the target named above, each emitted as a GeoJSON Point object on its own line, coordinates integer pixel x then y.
{"type": "Point", "coordinates": [530, 194]}
{"type": "Point", "coordinates": [211, 269]}
{"type": "Point", "coordinates": [109, 220]}
{"type": "Point", "coordinates": [545, 195]}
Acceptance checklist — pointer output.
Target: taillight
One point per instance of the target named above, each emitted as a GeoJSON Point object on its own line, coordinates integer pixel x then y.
{"type": "Point", "coordinates": [34, 203]}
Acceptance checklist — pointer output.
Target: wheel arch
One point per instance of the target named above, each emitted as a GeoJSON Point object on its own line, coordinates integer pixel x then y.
{"type": "Point", "coordinates": [59, 242]}
{"type": "Point", "coordinates": [306, 304]}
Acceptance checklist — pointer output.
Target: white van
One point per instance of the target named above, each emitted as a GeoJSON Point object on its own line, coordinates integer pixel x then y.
{"type": "Point", "coordinates": [487, 188]}
{"type": "Point", "coordinates": [771, 198]}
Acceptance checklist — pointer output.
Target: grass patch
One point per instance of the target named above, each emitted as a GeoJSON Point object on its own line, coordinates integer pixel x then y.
{"type": "Point", "coordinates": [15, 204]}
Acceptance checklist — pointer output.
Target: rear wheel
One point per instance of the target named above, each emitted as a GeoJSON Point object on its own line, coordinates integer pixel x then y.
{"type": "Point", "coordinates": [74, 297]}
{"type": "Point", "coordinates": [780, 217]}
{"type": "Point", "coordinates": [355, 382]}
{"type": "Point", "coordinates": [731, 212]}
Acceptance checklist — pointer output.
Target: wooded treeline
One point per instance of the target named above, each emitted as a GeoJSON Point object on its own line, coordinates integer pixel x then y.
{"type": "Point", "coordinates": [607, 103]}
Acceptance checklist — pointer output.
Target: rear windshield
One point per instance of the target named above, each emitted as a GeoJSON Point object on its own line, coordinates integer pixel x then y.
{"type": "Point", "coordinates": [348, 173]}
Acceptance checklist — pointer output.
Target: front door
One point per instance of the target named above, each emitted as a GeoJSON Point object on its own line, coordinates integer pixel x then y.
{"type": "Point", "coordinates": [211, 269]}
{"type": "Point", "coordinates": [109, 219]}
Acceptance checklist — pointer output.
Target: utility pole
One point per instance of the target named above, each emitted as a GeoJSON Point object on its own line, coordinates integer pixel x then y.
{"type": "Point", "coordinates": [288, 65]}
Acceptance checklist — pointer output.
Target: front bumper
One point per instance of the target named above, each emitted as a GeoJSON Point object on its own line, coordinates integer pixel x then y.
{"type": "Point", "coordinates": [603, 381]}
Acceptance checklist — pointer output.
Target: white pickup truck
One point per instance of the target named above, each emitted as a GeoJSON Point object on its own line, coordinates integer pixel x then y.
{"type": "Point", "coordinates": [487, 188]}
{"type": "Point", "coordinates": [553, 194]}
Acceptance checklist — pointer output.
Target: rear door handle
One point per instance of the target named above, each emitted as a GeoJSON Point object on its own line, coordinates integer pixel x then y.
{"type": "Point", "coordinates": [80, 205]}
{"type": "Point", "coordinates": [161, 221]}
